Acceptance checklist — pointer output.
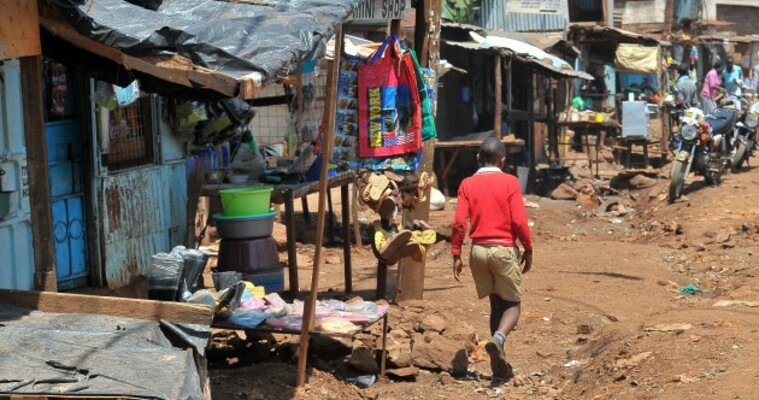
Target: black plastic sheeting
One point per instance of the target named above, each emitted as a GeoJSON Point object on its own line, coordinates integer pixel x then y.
{"type": "Point", "coordinates": [233, 38]}
{"type": "Point", "coordinates": [92, 355]}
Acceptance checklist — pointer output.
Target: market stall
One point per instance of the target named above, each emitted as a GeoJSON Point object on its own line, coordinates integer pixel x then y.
{"type": "Point", "coordinates": [628, 68]}
{"type": "Point", "coordinates": [515, 99]}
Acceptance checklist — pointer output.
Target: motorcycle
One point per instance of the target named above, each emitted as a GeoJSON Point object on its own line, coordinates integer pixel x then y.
{"type": "Point", "coordinates": [745, 137]}
{"type": "Point", "coordinates": [701, 146]}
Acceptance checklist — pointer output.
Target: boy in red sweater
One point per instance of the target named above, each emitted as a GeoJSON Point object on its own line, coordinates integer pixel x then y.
{"type": "Point", "coordinates": [492, 201]}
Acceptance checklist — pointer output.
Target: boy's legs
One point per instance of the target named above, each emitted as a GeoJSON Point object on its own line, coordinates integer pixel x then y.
{"type": "Point", "coordinates": [505, 306]}
{"type": "Point", "coordinates": [504, 315]}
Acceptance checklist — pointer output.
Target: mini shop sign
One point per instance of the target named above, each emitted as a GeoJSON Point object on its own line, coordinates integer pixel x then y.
{"type": "Point", "coordinates": [381, 9]}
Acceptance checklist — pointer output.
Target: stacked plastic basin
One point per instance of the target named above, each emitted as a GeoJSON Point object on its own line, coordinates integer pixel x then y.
{"type": "Point", "coordinates": [247, 245]}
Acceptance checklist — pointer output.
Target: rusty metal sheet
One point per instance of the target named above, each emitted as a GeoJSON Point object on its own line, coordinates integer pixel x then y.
{"type": "Point", "coordinates": [144, 212]}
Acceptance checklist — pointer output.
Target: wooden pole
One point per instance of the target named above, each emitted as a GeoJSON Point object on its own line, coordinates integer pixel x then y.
{"type": "Point", "coordinates": [669, 16]}
{"type": "Point", "coordinates": [32, 92]}
{"type": "Point", "coordinates": [410, 272]}
{"type": "Point", "coordinates": [498, 98]}
{"type": "Point", "coordinates": [327, 143]}
{"type": "Point", "coordinates": [605, 11]}
{"type": "Point", "coordinates": [421, 37]}
{"type": "Point", "coordinates": [395, 28]}
{"type": "Point", "coordinates": [354, 216]}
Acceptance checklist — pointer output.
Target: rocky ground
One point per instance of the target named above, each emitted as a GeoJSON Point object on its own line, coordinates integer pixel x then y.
{"type": "Point", "coordinates": [603, 314]}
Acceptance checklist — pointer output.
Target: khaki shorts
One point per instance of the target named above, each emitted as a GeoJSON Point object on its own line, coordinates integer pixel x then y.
{"type": "Point", "coordinates": [496, 269]}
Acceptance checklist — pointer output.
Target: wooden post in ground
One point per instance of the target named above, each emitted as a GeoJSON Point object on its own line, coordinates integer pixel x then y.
{"type": "Point", "coordinates": [327, 143]}
{"type": "Point", "coordinates": [32, 92]}
{"type": "Point", "coordinates": [410, 272]}
{"type": "Point", "coordinates": [498, 98]}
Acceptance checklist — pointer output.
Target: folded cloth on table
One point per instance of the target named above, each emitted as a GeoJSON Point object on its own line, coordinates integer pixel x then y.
{"type": "Point", "coordinates": [275, 300]}
{"type": "Point", "coordinates": [247, 318]}
{"type": "Point", "coordinates": [335, 325]}
{"type": "Point", "coordinates": [288, 322]}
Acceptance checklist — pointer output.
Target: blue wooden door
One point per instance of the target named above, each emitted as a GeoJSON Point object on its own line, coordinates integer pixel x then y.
{"type": "Point", "coordinates": [64, 153]}
{"type": "Point", "coordinates": [66, 188]}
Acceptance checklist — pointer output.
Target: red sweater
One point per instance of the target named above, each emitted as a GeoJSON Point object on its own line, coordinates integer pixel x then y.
{"type": "Point", "coordinates": [492, 201]}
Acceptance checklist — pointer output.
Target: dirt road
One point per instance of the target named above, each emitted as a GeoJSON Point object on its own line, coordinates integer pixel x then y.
{"type": "Point", "coordinates": [602, 316]}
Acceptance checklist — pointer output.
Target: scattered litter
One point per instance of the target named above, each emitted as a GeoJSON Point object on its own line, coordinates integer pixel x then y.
{"type": "Point", "coordinates": [531, 204]}
{"type": "Point", "coordinates": [531, 224]}
{"type": "Point", "coordinates": [668, 328]}
{"type": "Point", "coordinates": [497, 392]}
{"type": "Point", "coordinates": [684, 379]}
{"type": "Point", "coordinates": [616, 220]}
{"type": "Point", "coordinates": [363, 381]}
{"type": "Point", "coordinates": [731, 303]}
{"type": "Point", "coordinates": [546, 319]}
{"type": "Point", "coordinates": [633, 361]}
{"type": "Point", "coordinates": [690, 289]}
{"type": "Point", "coordinates": [575, 363]}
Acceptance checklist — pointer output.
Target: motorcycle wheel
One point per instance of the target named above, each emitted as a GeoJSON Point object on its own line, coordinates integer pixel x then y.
{"type": "Point", "coordinates": [740, 156]}
{"type": "Point", "coordinates": [677, 180]}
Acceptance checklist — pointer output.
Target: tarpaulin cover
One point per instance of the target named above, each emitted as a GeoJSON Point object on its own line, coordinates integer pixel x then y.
{"type": "Point", "coordinates": [91, 355]}
{"type": "Point", "coordinates": [236, 39]}
{"type": "Point", "coordinates": [638, 59]}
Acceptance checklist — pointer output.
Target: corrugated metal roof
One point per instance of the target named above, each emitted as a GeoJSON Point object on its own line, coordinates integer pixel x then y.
{"type": "Point", "coordinates": [523, 22]}
{"type": "Point", "coordinates": [495, 17]}
{"type": "Point", "coordinates": [525, 53]}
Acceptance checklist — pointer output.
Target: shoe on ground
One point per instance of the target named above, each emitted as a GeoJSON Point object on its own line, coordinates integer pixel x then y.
{"type": "Point", "coordinates": [502, 370]}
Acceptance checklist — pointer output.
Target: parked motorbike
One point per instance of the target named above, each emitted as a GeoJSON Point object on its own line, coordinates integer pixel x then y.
{"type": "Point", "coordinates": [745, 137]}
{"type": "Point", "coordinates": [700, 145]}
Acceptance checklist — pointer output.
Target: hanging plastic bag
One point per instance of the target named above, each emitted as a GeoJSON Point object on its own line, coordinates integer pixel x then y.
{"type": "Point", "coordinates": [127, 95]}
{"type": "Point", "coordinates": [428, 118]}
{"type": "Point", "coordinates": [389, 109]}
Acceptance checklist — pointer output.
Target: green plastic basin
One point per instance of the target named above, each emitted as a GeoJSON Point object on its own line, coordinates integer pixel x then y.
{"type": "Point", "coordinates": [246, 201]}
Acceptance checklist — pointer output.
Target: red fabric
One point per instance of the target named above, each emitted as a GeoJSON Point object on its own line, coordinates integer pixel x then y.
{"type": "Point", "coordinates": [492, 201]}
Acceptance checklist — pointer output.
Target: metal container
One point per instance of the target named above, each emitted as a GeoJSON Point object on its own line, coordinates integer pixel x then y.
{"type": "Point", "coordinates": [259, 226]}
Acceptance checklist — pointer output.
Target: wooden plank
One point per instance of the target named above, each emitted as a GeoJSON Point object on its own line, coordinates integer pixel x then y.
{"type": "Point", "coordinates": [32, 92]}
{"type": "Point", "coordinates": [421, 38]}
{"type": "Point", "coordinates": [411, 272]}
{"type": "Point", "coordinates": [476, 143]}
{"type": "Point", "coordinates": [151, 310]}
{"type": "Point", "coordinates": [19, 29]}
{"type": "Point", "coordinates": [327, 144]}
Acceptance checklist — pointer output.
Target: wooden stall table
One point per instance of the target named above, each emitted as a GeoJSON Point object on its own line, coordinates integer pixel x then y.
{"type": "Point", "coordinates": [264, 329]}
{"type": "Point", "coordinates": [592, 128]}
{"type": "Point", "coordinates": [288, 193]}
{"type": "Point", "coordinates": [448, 151]}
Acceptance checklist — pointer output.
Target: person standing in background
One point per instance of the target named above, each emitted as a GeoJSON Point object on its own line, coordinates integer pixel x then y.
{"type": "Point", "coordinates": [685, 88]}
{"type": "Point", "coordinates": [732, 77]}
{"type": "Point", "coordinates": [711, 89]}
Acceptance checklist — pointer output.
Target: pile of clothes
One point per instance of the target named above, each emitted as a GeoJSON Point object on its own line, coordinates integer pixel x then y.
{"type": "Point", "coordinates": [248, 306]}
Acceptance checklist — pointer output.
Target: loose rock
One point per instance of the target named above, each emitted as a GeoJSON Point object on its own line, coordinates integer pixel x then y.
{"type": "Point", "coordinates": [433, 322]}
{"type": "Point", "coordinates": [362, 358]}
{"type": "Point", "coordinates": [642, 182]}
{"type": "Point", "coordinates": [564, 192]}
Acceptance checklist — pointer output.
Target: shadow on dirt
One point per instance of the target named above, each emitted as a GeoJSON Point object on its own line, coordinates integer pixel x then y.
{"type": "Point", "coordinates": [607, 274]}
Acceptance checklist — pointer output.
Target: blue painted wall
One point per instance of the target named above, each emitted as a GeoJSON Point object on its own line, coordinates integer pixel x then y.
{"type": "Point", "coordinates": [16, 253]}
